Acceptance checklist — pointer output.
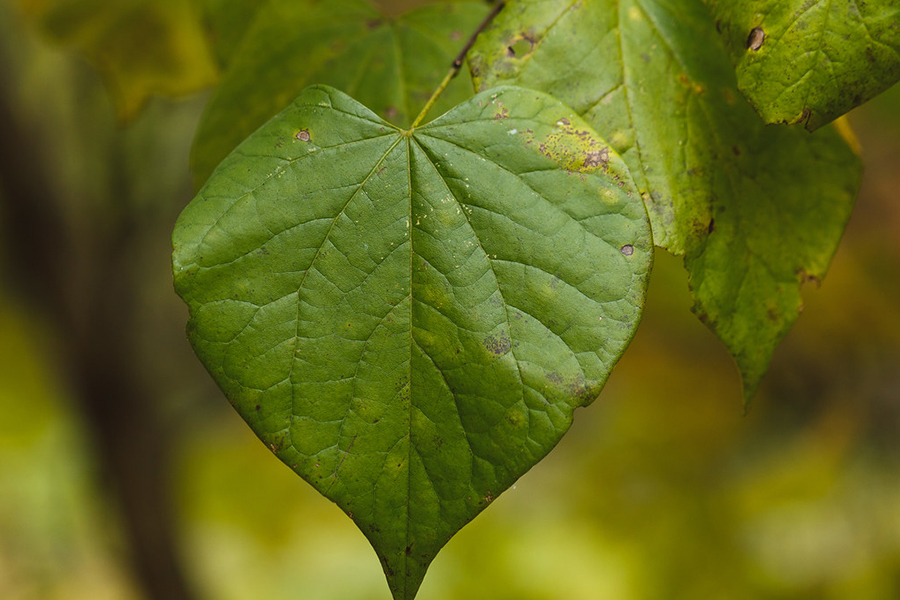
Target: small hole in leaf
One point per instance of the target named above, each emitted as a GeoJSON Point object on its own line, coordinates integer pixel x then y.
{"type": "Point", "coordinates": [756, 38]}
{"type": "Point", "coordinates": [520, 48]}
{"type": "Point", "coordinates": [627, 249]}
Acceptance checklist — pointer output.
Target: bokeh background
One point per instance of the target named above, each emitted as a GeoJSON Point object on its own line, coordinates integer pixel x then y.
{"type": "Point", "coordinates": [125, 475]}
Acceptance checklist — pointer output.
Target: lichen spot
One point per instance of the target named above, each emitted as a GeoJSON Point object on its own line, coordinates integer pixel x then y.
{"type": "Point", "coordinates": [627, 249]}
{"type": "Point", "coordinates": [302, 135]}
{"type": "Point", "coordinates": [756, 38]}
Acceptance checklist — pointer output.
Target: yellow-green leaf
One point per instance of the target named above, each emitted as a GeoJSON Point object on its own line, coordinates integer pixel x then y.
{"type": "Point", "coordinates": [141, 47]}
{"type": "Point", "coordinates": [755, 210]}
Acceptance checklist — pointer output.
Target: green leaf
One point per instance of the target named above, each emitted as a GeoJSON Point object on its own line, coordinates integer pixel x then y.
{"type": "Point", "coordinates": [228, 22]}
{"type": "Point", "coordinates": [141, 47]}
{"type": "Point", "coordinates": [390, 64]}
{"type": "Point", "coordinates": [755, 210]}
{"type": "Point", "coordinates": [811, 60]}
{"type": "Point", "coordinates": [409, 318]}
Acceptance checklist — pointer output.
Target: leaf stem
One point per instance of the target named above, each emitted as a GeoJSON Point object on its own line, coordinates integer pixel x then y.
{"type": "Point", "coordinates": [457, 63]}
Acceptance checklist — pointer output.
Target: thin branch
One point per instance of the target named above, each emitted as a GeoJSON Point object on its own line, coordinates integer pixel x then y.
{"type": "Point", "coordinates": [458, 62]}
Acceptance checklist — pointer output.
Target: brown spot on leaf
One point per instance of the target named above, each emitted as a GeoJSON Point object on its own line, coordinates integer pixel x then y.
{"type": "Point", "coordinates": [627, 249]}
{"type": "Point", "coordinates": [712, 227]}
{"type": "Point", "coordinates": [756, 38]}
{"type": "Point", "coordinates": [806, 277]}
{"type": "Point", "coordinates": [302, 135]}
{"type": "Point", "coordinates": [597, 158]}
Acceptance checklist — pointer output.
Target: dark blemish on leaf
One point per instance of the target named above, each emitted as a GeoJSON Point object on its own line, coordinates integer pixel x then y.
{"type": "Point", "coordinates": [597, 158]}
{"type": "Point", "coordinates": [272, 448]}
{"type": "Point", "coordinates": [456, 35]}
{"type": "Point", "coordinates": [712, 227]}
{"type": "Point", "coordinates": [736, 150]}
{"type": "Point", "coordinates": [756, 38]}
{"type": "Point", "coordinates": [302, 135]}
{"type": "Point", "coordinates": [408, 550]}
{"type": "Point", "coordinates": [627, 249]}
{"type": "Point", "coordinates": [373, 24]}
{"type": "Point", "coordinates": [489, 497]}
{"type": "Point", "coordinates": [805, 277]}
{"type": "Point", "coordinates": [498, 345]}
{"type": "Point", "coordinates": [257, 407]}
{"type": "Point", "coordinates": [564, 121]}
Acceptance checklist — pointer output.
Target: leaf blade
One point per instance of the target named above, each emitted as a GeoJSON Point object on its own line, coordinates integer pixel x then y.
{"type": "Point", "coordinates": [669, 105]}
{"type": "Point", "coordinates": [442, 301]}
{"type": "Point", "coordinates": [811, 62]}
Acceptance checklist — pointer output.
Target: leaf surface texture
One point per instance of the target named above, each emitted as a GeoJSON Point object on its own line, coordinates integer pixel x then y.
{"type": "Point", "coordinates": [408, 319]}
{"type": "Point", "coordinates": [755, 210]}
{"type": "Point", "coordinates": [811, 61]}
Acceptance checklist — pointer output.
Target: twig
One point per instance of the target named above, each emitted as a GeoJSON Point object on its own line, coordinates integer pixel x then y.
{"type": "Point", "coordinates": [458, 62]}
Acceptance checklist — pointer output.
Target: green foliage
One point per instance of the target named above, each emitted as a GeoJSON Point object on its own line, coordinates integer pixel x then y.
{"type": "Point", "coordinates": [408, 317]}
{"type": "Point", "coordinates": [810, 61]}
{"type": "Point", "coordinates": [412, 331]}
{"type": "Point", "coordinates": [756, 211]}
{"type": "Point", "coordinates": [142, 47]}
{"type": "Point", "coordinates": [391, 65]}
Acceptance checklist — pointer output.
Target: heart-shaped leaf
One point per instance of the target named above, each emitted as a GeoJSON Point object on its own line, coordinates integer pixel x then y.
{"type": "Point", "coordinates": [755, 210]}
{"type": "Point", "coordinates": [390, 64]}
{"type": "Point", "coordinates": [409, 318]}
{"type": "Point", "coordinates": [811, 60]}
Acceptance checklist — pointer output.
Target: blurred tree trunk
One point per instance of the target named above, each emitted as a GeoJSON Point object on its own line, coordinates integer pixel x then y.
{"type": "Point", "coordinates": [80, 282]}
